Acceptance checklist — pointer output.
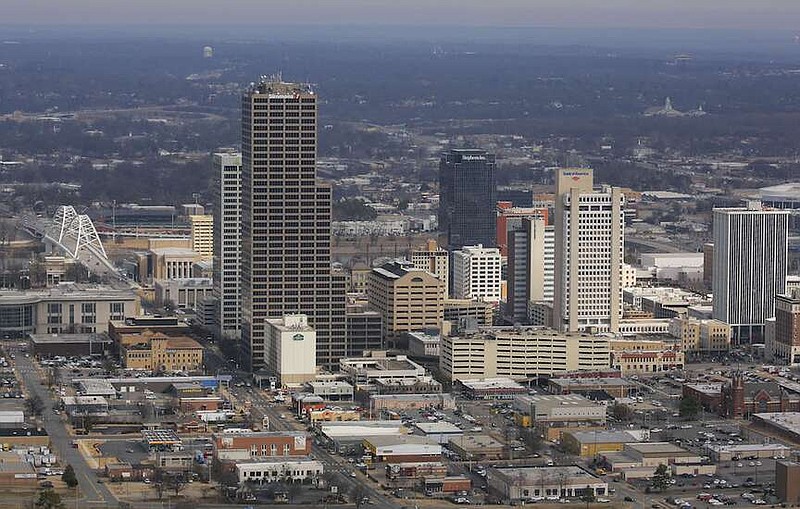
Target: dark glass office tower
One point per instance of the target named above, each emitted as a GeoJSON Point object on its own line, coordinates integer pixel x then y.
{"type": "Point", "coordinates": [467, 198]}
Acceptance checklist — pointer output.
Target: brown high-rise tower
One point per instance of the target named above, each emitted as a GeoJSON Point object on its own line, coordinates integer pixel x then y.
{"type": "Point", "coordinates": [286, 222]}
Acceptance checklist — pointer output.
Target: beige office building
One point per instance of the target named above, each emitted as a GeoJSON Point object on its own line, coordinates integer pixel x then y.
{"type": "Point", "coordinates": [407, 298]}
{"type": "Point", "coordinates": [520, 353]}
{"type": "Point", "coordinates": [286, 222]}
{"type": "Point", "coordinates": [291, 350]}
{"type": "Point", "coordinates": [434, 260]}
{"type": "Point", "coordinates": [701, 336]}
{"type": "Point", "coordinates": [589, 248]}
{"type": "Point", "coordinates": [173, 262]}
{"type": "Point", "coordinates": [202, 235]}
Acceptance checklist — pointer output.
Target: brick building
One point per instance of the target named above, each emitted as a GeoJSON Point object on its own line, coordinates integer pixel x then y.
{"type": "Point", "coordinates": [247, 444]}
{"type": "Point", "coordinates": [737, 399]}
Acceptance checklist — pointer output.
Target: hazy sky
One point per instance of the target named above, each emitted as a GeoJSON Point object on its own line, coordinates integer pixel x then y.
{"type": "Point", "coordinates": [746, 14]}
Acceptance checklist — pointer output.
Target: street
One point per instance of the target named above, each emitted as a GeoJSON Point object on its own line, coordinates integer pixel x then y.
{"type": "Point", "coordinates": [61, 441]}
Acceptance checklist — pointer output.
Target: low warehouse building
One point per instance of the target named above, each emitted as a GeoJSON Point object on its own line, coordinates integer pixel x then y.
{"type": "Point", "coordinates": [278, 469]}
{"type": "Point", "coordinates": [405, 402]}
{"type": "Point", "coordinates": [491, 388]}
{"type": "Point", "coordinates": [402, 449]}
{"type": "Point", "coordinates": [70, 345]}
{"type": "Point", "coordinates": [640, 460]}
{"type": "Point", "coordinates": [516, 483]}
{"type": "Point", "coordinates": [250, 444]}
{"type": "Point", "coordinates": [434, 486]}
{"type": "Point", "coordinates": [718, 452]}
{"type": "Point", "coordinates": [441, 431]}
{"type": "Point", "coordinates": [592, 443]}
{"type": "Point", "coordinates": [477, 447]}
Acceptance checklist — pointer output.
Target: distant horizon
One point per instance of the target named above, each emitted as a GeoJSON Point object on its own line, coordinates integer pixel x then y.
{"type": "Point", "coordinates": [782, 44]}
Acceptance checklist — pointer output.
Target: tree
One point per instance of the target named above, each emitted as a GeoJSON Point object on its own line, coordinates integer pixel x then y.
{"type": "Point", "coordinates": [621, 412]}
{"type": "Point", "coordinates": [69, 477]}
{"type": "Point", "coordinates": [357, 494]}
{"type": "Point", "coordinates": [34, 405]}
{"type": "Point", "coordinates": [49, 499]}
{"type": "Point", "coordinates": [532, 439]}
{"type": "Point", "coordinates": [588, 496]}
{"type": "Point", "coordinates": [661, 478]}
{"type": "Point", "coordinates": [689, 407]}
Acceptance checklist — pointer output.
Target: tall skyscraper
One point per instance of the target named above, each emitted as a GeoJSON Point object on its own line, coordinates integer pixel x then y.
{"type": "Point", "coordinates": [589, 235]}
{"type": "Point", "coordinates": [227, 234]}
{"type": "Point", "coordinates": [286, 222]}
{"type": "Point", "coordinates": [530, 266]}
{"type": "Point", "coordinates": [477, 273]}
{"type": "Point", "coordinates": [750, 251]}
{"type": "Point", "coordinates": [434, 260]}
{"type": "Point", "coordinates": [467, 198]}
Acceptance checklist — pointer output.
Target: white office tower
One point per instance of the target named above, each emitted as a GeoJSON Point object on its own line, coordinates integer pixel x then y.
{"type": "Point", "coordinates": [530, 266]}
{"type": "Point", "coordinates": [477, 273]}
{"type": "Point", "coordinates": [227, 243]}
{"type": "Point", "coordinates": [589, 236]}
{"type": "Point", "coordinates": [750, 251]}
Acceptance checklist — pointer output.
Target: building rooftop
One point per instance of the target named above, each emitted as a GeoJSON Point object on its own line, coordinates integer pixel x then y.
{"type": "Point", "coordinates": [706, 388]}
{"type": "Point", "coordinates": [603, 437]}
{"type": "Point", "coordinates": [491, 384]}
{"type": "Point", "coordinates": [390, 440]}
{"type": "Point", "coordinates": [182, 343]}
{"type": "Point", "coordinates": [438, 427]}
{"type": "Point", "coordinates": [7, 416]}
{"type": "Point", "coordinates": [264, 434]}
{"type": "Point", "coordinates": [745, 448]}
{"type": "Point", "coordinates": [274, 86]}
{"type": "Point", "coordinates": [13, 463]}
{"type": "Point", "coordinates": [66, 291]}
{"type": "Point", "coordinates": [358, 430]}
{"type": "Point", "coordinates": [659, 449]}
{"type": "Point", "coordinates": [475, 442]}
{"type": "Point", "coordinates": [409, 397]}
{"type": "Point", "coordinates": [43, 339]}
{"type": "Point", "coordinates": [187, 282]}
{"type": "Point", "coordinates": [790, 191]}
{"type": "Point", "coordinates": [546, 401]}
{"type": "Point", "coordinates": [395, 269]}
{"type": "Point", "coordinates": [96, 386]}
{"type": "Point", "coordinates": [174, 251]}
{"type": "Point", "coordinates": [266, 460]}
{"type": "Point", "coordinates": [160, 437]}
{"type": "Point", "coordinates": [84, 400]}
{"type": "Point", "coordinates": [546, 475]}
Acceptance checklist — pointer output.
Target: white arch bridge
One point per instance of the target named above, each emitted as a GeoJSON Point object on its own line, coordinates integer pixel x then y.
{"type": "Point", "coordinates": [74, 234]}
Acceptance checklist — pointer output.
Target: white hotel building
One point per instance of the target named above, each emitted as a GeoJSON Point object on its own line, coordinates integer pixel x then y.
{"type": "Point", "coordinates": [477, 273]}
